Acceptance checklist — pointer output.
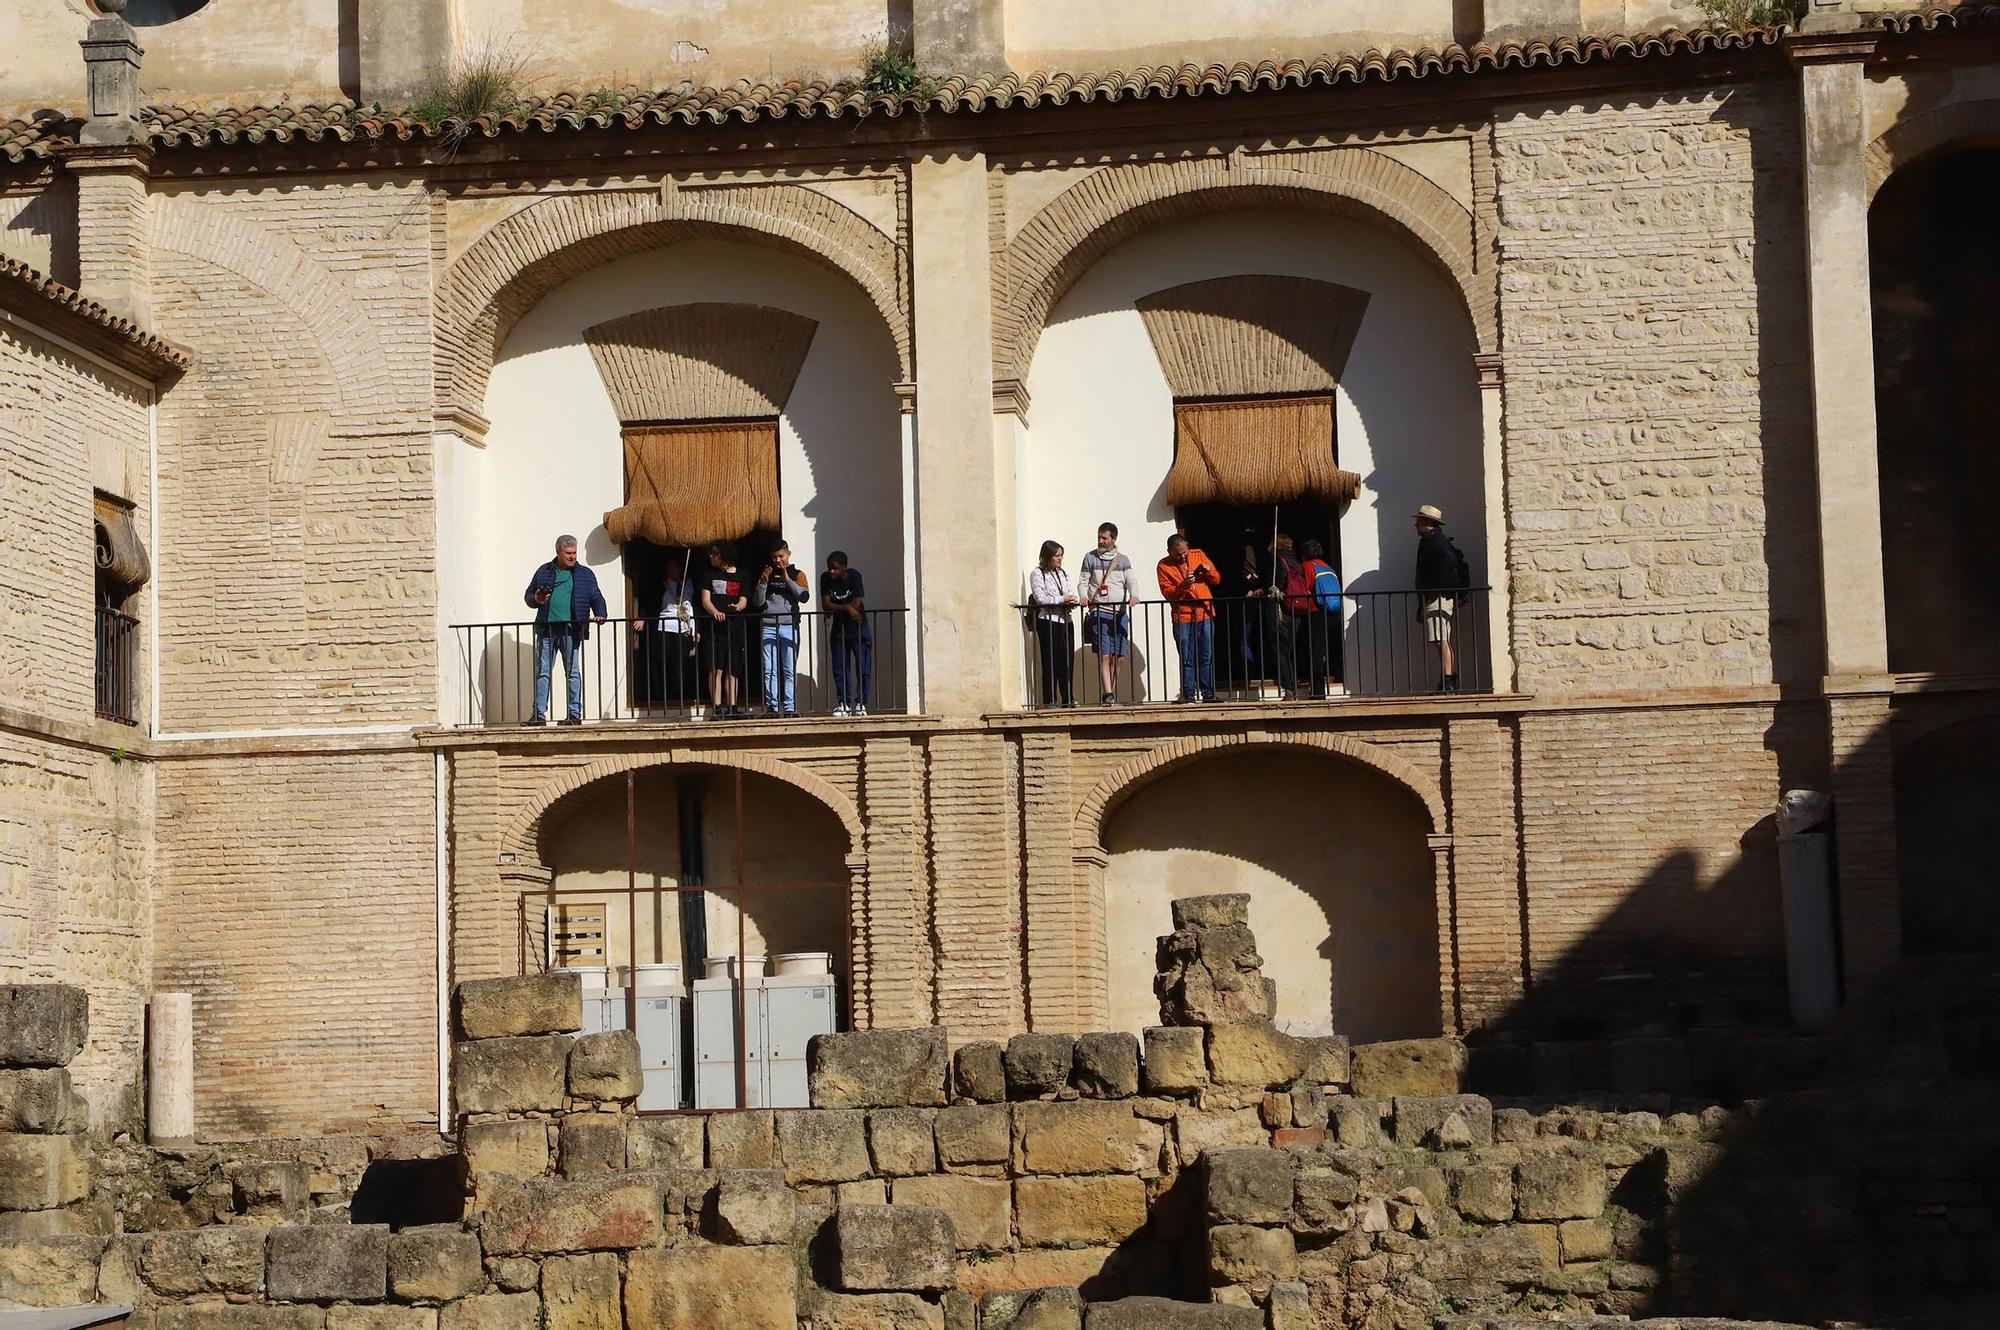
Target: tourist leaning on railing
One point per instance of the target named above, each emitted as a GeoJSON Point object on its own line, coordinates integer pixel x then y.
{"type": "Point", "coordinates": [1053, 595]}
{"type": "Point", "coordinates": [1109, 589]}
{"type": "Point", "coordinates": [566, 600]}
{"type": "Point", "coordinates": [1188, 578]}
{"type": "Point", "coordinates": [725, 602]}
{"type": "Point", "coordinates": [1442, 575]}
{"type": "Point", "coordinates": [842, 593]}
{"type": "Point", "coordinates": [779, 592]}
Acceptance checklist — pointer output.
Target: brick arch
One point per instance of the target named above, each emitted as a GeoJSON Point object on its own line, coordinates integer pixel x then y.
{"type": "Point", "coordinates": [1103, 210]}
{"type": "Point", "coordinates": [324, 305]}
{"type": "Point", "coordinates": [523, 838]}
{"type": "Point", "coordinates": [523, 257]}
{"type": "Point", "coordinates": [1142, 771]}
{"type": "Point", "coordinates": [1953, 125]}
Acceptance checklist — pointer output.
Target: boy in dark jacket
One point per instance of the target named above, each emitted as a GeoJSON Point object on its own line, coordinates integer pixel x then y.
{"type": "Point", "coordinates": [566, 601]}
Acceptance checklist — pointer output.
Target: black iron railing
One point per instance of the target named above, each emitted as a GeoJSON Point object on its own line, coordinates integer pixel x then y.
{"type": "Point", "coordinates": [695, 669]}
{"type": "Point", "coordinates": [1367, 644]}
{"type": "Point", "coordinates": [117, 666]}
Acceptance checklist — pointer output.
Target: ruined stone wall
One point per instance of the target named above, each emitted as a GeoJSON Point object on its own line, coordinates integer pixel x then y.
{"type": "Point", "coordinates": [1658, 464]}
{"type": "Point", "coordinates": [297, 903]}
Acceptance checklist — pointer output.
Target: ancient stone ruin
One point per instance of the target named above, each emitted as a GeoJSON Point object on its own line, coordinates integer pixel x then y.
{"type": "Point", "coordinates": [1218, 1174]}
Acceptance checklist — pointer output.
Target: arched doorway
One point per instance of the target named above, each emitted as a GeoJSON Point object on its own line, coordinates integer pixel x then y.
{"type": "Point", "coordinates": [1947, 784]}
{"type": "Point", "coordinates": [1335, 859]}
{"type": "Point", "coordinates": [1934, 285]}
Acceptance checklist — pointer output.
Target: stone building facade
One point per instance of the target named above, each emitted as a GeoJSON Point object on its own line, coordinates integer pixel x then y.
{"type": "Point", "coordinates": [311, 372]}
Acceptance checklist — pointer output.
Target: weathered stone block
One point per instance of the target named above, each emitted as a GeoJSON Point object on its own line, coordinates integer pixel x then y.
{"type": "Point", "coordinates": [1249, 1186]}
{"type": "Point", "coordinates": [509, 1075]}
{"type": "Point", "coordinates": [434, 1264]}
{"type": "Point", "coordinates": [981, 1210]}
{"type": "Point", "coordinates": [81, 1219]}
{"type": "Point", "coordinates": [1290, 1306]}
{"type": "Point", "coordinates": [754, 1207]}
{"type": "Point", "coordinates": [42, 1172]}
{"type": "Point", "coordinates": [1685, 1164]}
{"type": "Point", "coordinates": [1032, 1309]}
{"type": "Point", "coordinates": [1356, 1123]}
{"type": "Point", "coordinates": [1167, 1314]}
{"type": "Point", "coordinates": [868, 1191]}
{"type": "Point", "coordinates": [1176, 1059]}
{"type": "Point", "coordinates": [1585, 1240]}
{"type": "Point", "coordinates": [974, 1134]}
{"type": "Point", "coordinates": [878, 1068]}
{"type": "Point", "coordinates": [1085, 1137]}
{"type": "Point", "coordinates": [893, 1248]}
{"type": "Point", "coordinates": [42, 1025]}
{"type": "Point", "coordinates": [1321, 1202]}
{"type": "Point", "coordinates": [1106, 1065]}
{"type": "Point", "coordinates": [328, 1263]}
{"type": "Point", "coordinates": [979, 1072]}
{"type": "Point", "coordinates": [1558, 1187]}
{"type": "Point", "coordinates": [378, 1316]}
{"type": "Point", "coordinates": [742, 1140]}
{"type": "Point", "coordinates": [608, 1213]}
{"type": "Point", "coordinates": [1407, 1067]}
{"type": "Point", "coordinates": [1324, 1059]}
{"type": "Point", "coordinates": [266, 1190]}
{"type": "Point", "coordinates": [514, 1274]}
{"type": "Point", "coordinates": [823, 1145]}
{"type": "Point", "coordinates": [533, 1004]}
{"type": "Point", "coordinates": [581, 1292]}
{"type": "Point", "coordinates": [1097, 1271]}
{"type": "Point", "coordinates": [517, 1149]}
{"type": "Point", "coordinates": [1198, 1129]}
{"type": "Point", "coordinates": [1243, 1254]}
{"type": "Point", "coordinates": [961, 1310]}
{"type": "Point", "coordinates": [492, 1311]}
{"type": "Point", "coordinates": [1056, 1212]}
{"type": "Point", "coordinates": [39, 1099]}
{"type": "Point", "coordinates": [1483, 1192]}
{"type": "Point", "coordinates": [903, 1141]}
{"type": "Point", "coordinates": [1442, 1122]}
{"type": "Point", "coordinates": [1038, 1064]}
{"type": "Point", "coordinates": [49, 1272]}
{"type": "Point", "coordinates": [605, 1066]}
{"type": "Point", "coordinates": [1253, 1054]}
{"type": "Point", "coordinates": [874, 1311]}
{"type": "Point", "coordinates": [1472, 1266]}
{"type": "Point", "coordinates": [222, 1316]}
{"type": "Point", "coordinates": [677, 1141]}
{"type": "Point", "coordinates": [1217, 911]}
{"type": "Point", "coordinates": [203, 1260]}
{"type": "Point", "coordinates": [592, 1143]}
{"type": "Point", "coordinates": [706, 1288]}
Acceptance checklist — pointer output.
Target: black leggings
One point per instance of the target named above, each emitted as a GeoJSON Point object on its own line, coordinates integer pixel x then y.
{"type": "Point", "coordinates": [1055, 646]}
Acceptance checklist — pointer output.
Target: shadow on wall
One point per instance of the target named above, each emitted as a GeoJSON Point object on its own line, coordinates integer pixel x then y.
{"type": "Point", "coordinates": [1335, 861]}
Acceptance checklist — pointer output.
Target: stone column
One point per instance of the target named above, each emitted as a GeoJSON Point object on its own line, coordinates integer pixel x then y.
{"type": "Point", "coordinates": [959, 556]}
{"type": "Point", "coordinates": [1829, 56]}
{"type": "Point", "coordinates": [111, 59]}
{"type": "Point", "coordinates": [1450, 1020]}
{"type": "Point", "coordinates": [1499, 571]}
{"type": "Point", "coordinates": [170, 1070]}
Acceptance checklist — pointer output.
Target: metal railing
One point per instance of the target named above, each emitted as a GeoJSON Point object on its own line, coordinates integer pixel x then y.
{"type": "Point", "coordinates": [1372, 644]}
{"type": "Point", "coordinates": [631, 669]}
{"type": "Point", "coordinates": [117, 666]}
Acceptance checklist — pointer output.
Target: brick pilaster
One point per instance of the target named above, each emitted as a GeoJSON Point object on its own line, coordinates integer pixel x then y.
{"type": "Point", "coordinates": [975, 876]}
{"type": "Point", "coordinates": [1864, 822]}
{"type": "Point", "coordinates": [1485, 868]}
{"type": "Point", "coordinates": [114, 236]}
{"type": "Point", "coordinates": [890, 913]}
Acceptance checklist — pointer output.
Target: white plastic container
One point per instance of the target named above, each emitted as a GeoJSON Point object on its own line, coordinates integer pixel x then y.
{"type": "Point", "coordinates": [594, 977]}
{"type": "Point", "coordinates": [802, 962]}
{"type": "Point", "coordinates": [656, 977]}
{"type": "Point", "coordinates": [724, 967]}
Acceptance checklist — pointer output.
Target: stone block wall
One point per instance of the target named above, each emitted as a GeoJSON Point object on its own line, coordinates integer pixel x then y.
{"type": "Point", "coordinates": [45, 1166]}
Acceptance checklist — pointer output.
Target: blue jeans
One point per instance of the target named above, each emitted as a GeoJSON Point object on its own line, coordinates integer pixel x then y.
{"type": "Point", "coordinates": [781, 650]}
{"type": "Point", "coordinates": [546, 646]}
{"type": "Point", "coordinates": [853, 664]}
{"type": "Point", "coordinates": [1196, 643]}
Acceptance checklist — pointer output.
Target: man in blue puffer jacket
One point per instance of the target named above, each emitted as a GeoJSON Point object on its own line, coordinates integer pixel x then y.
{"type": "Point", "coordinates": [566, 600]}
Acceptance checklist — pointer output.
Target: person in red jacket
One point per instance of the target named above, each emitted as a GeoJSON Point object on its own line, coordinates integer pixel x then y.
{"type": "Point", "coordinates": [1188, 579]}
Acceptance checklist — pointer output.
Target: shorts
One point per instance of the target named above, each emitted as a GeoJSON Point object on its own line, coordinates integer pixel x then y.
{"type": "Point", "coordinates": [1436, 614]}
{"type": "Point", "coordinates": [1110, 634]}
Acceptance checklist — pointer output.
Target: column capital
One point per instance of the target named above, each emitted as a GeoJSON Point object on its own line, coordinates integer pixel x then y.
{"type": "Point", "coordinates": [1491, 368]}
{"type": "Point", "coordinates": [1010, 398]}
{"type": "Point", "coordinates": [1831, 45]}
{"type": "Point", "coordinates": [119, 157]}
{"type": "Point", "coordinates": [906, 399]}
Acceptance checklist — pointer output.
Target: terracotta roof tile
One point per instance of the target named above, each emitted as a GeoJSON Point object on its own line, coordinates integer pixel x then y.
{"type": "Point", "coordinates": [634, 108]}
{"type": "Point", "coordinates": [24, 280]}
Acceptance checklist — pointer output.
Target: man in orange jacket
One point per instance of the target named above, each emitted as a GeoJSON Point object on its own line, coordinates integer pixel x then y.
{"type": "Point", "coordinates": [1188, 579]}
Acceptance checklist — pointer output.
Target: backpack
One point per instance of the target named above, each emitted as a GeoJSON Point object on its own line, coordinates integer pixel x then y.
{"type": "Point", "coordinates": [1325, 586]}
{"type": "Point", "coordinates": [1461, 572]}
{"type": "Point", "coordinates": [1297, 586]}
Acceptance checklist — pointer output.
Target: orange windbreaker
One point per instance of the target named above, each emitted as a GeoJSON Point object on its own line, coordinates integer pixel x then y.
{"type": "Point", "coordinates": [1188, 585]}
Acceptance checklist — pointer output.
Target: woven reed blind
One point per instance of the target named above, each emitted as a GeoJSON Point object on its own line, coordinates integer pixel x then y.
{"type": "Point", "coordinates": [691, 484]}
{"type": "Point", "coordinates": [1273, 450]}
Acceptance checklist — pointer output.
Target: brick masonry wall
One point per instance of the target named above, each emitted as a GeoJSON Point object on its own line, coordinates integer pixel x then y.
{"type": "Point", "coordinates": [1655, 419]}
{"type": "Point", "coordinates": [297, 582]}
{"type": "Point", "coordinates": [297, 904]}
{"type": "Point", "coordinates": [75, 826]}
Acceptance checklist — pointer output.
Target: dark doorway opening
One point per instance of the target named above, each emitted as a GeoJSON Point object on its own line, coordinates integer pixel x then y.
{"type": "Point", "coordinates": [1238, 537]}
